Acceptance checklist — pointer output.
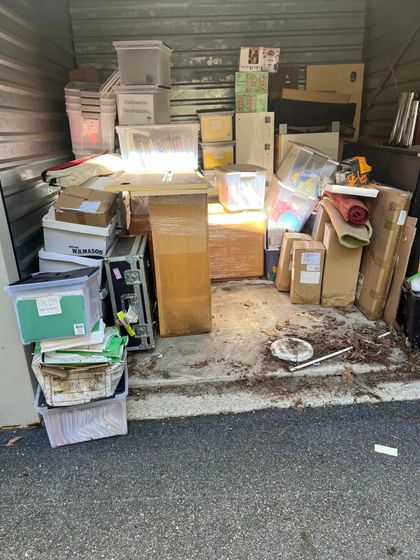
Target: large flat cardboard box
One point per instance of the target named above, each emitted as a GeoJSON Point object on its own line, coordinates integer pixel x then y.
{"type": "Point", "coordinates": [236, 243]}
{"type": "Point", "coordinates": [400, 270]}
{"type": "Point", "coordinates": [316, 96]}
{"type": "Point", "coordinates": [339, 78]}
{"type": "Point", "coordinates": [181, 262]}
{"type": "Point", "coordinates": [89, 207]}
{"type": "Point", "coordinates": [322, 218]}
{"type": "Point", "coordinates": [285, 77]}
{"type": "Point", "coordinates": [325, 142]}
{"type": "Point", "coordinates": [283, 275]}
{"type": "Point", "coordinates": [307, 269]}
{"type": "Point", "coordinates": [388, 214]}
{"type": "Point", "coordinates": [341, 270]}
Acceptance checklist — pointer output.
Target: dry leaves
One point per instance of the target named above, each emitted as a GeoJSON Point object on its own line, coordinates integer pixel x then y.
{"type": "Point", "coordinates": [13, 441]}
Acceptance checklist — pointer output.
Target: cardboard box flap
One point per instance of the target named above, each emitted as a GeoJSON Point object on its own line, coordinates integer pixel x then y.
{"type": "Point", "coordinates": [83, 199]}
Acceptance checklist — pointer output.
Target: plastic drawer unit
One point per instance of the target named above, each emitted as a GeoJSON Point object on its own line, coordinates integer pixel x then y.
{"type": "Point", "coordinates": [130, 283]}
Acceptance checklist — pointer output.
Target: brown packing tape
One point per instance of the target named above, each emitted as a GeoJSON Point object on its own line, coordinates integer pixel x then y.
{"type": "Point", "coordinates": [401, 203]}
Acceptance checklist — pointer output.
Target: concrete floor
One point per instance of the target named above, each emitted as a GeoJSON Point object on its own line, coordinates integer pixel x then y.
{"type": "Point", "coordinates": [245, 316]}
{"type": "Point", "coordinates": [289, 485]}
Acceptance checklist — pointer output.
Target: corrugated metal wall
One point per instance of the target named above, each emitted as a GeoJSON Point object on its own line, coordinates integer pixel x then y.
{"type": "Point", "coordinates": [36, 51]}
{"type": "Point", "coordinates": [392, 60]}
{"type": "Point", "coordinates": [206, 37]}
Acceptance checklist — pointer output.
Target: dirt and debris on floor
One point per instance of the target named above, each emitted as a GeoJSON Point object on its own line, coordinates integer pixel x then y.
{"type": "Point", "coordinates": [247, 317]}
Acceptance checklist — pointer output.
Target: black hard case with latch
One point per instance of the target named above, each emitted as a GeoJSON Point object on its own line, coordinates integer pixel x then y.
{"type": "Point", "coordinates": [130, 281]}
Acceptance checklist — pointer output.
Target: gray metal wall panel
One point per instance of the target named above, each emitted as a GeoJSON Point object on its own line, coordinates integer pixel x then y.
{"type": "Point", "coordinates": [206, 37]}
{"type": "Point", "coordinates": [392, 60]}
{"type": "Point", "coordinates": [36, 51]}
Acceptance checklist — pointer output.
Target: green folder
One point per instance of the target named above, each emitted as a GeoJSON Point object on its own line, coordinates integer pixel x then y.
{"type": "Point", "coordinates": [70, 322]}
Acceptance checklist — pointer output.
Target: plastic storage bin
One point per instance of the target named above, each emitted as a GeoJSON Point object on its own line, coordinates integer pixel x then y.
{"type": "Point", "coordinates": [143, 104]}
{"type": "Point", "coordinates": [306, 170]}
{"type": "Point", "coordinates": [165, 147]}
{"type": "Point", "coordinates": [144, 63]}
{"type": "Point", "coordinates": [77, 239]}
{"type": "Point", "coordinates": [84, 422]}
{"type": "Point", "coordinates": [216, 126]}
{"type": "Point", "coordinates": [51, 305]}
{"type": "Point", "coordinates": [56, 262]}
{"type": "Point", "coordinates": [241, 187]}
{"type": "Point", "coordinates": [216, 154]}
{"type": "Point", "coordinates": [409, 314]}
{"type": "Point", "coordinates": [287, 208]}
{"type": "Point", "coordinates": [91, 115]}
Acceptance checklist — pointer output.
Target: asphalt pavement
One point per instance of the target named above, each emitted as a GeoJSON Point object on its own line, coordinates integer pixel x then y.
{"type": "Point", "coordinates": [289, 485]}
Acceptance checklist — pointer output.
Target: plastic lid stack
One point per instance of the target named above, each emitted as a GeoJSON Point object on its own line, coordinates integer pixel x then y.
{"type": "Point", "coordinates": [91, 115]}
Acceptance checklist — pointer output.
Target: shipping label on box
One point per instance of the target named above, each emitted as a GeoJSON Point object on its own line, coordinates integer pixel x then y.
{"type": "Point", "coordinates": [251, 103]}
{"type": "Point", "coordinates": [307, 269]}
{"type": "Point", "coordinates": [259, 59]}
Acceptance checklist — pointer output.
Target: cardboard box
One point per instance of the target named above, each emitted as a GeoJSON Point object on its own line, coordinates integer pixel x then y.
{"type": "Point", "coordinates": [283, 276]}
{"type": "Point", "coordinates": [251, 82]}
{"type": "Point", "coordinates": [340, 78]}
{"type": "Point", "coordinates": [89, 207]}
{"type": "Point", "coordinates": [341, 270]}
{"type": "Point", "coordinates": [259, 59]}
{"type": "Point", "coordinates": [236, 243]}
{"type": "Point", "coordinates": [388, 214]}
{"type": "Point", "coordinates": [326, 142]}
{"type": "Point", "coordinates": [181, 258]}
{"type": "Point", "coordinates": [84, 74]}
{"type": "Point", "coordinates": [285, 77]}
{"type": "Point", "coordinates": [307, 269]}
{"type": "Point", "coordinates": [403, 256]}
{"type": "Point", "coordinates": [322, 218]}
{"type": "Point", "coordinates": [317, 96]}
{"type": "Point", "coordinates": [251, 103]}
{"type": "Point", "coordinates": [77, 239]}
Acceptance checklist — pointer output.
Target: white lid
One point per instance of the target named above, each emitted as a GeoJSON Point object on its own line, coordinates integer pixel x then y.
{"type": "Point", "coordinates": [217, 144]}
{"type": "Point", "coordinates": [214, 113]}
{"type": "Point", "coordinates": [140, 89]}
{"type": "Point", "coordinates": [142, 45]}
{"type": "Point", "coordinates": [84, 261]}
{"type": "Point", "coordinates": [49, 221]}
{"type": "Point", "coordinates": [139, 128]}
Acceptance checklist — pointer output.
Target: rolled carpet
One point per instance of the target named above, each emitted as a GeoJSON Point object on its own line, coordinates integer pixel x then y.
{"type": "Point", "coordinates": [352, 209]}
{"type": "Point", "coordinates": [349, 235]}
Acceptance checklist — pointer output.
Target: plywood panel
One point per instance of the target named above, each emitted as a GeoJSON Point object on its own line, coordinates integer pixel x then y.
{"type": "Point", "coordinates": [180, 243]}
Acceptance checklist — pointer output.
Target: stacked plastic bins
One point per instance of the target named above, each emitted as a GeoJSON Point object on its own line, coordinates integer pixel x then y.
{"type": "Point", "coordinates": [294, 191]}
{"type": "Point", "coordinates": [79, 363]}
{"type": "Point", "coordinates": [91, 115]}
{"type": "Point", "coordinates": [217, 142]}
{"type": "Point", "coordinates": [145, 91]}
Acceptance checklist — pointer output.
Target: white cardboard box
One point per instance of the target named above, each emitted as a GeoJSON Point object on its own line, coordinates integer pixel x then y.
{"type": "Point", "coordinates": [263, 59]}
{"type": "Point", "coordinates": [255, 140]}
{"type": "Point", "coordinates": [77, 239]}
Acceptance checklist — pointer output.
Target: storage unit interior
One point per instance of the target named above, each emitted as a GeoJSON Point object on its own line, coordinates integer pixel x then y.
{"type": "Point", "coordinates": [247, 314]}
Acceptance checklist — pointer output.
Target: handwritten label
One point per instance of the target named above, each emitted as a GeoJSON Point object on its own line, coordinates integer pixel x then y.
{"type": "Point", "coordinates": [48, 305]}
